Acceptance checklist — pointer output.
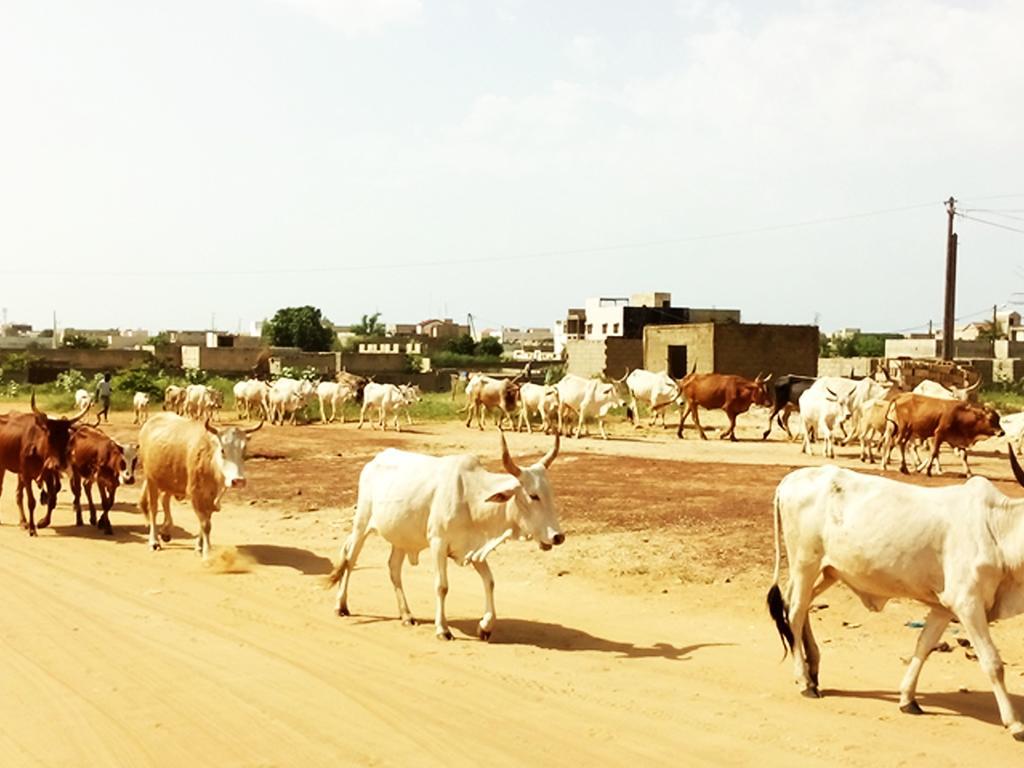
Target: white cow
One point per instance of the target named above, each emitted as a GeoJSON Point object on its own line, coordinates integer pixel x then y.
{"type": "Point", "coordinates": [930, 388]}
{"type": "Point", "coordinates": [538, 398]}
{"type": "Point", "coordinates": [587, 398]}
{"type": "Point", "coordinates": [484, 393]}
{"type": "Point", "coordinates": [140, 404]}
{"type": "Point", "coordinates": [411, 394]}
{"type": "Point", "coordinates": [822, 413]}
{"type": "Point", "coordinates": [958, 549]}
{"type": "Point", "coordinates": [855, 392]}
{"type": "Point", "coordinates": [1013, 426]}
{"type": "Point", "coordinates": [251, 399]}
{"type": "Point", "coordinates": [386, 398]}
{"type": "Point", "coordinates": [82, 399]}
{"type": "Point", "coordinates": [458, 509]}
{"type": "Point", "coordinates": [657, 390]}
{"type": "Point", "coordinates": [174, 399]}
{"type": "Point", "coordinates": [336, 393]}
{"type": "Point", "coordinates": [201, 402]}
{"type": "Point", "coordinates": [287, 397]}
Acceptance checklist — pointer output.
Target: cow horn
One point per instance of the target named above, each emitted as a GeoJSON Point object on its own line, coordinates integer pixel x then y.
{"type": "Point", "coordinates": [976, 384]}
{"type": "Point", "coordinates": [210, 429]}
{"type": "Point", "coordinates": [506, 457]}
{"type": "Point", "coordinates": [82, 413]}
{"type": "Point", "coordinates": [250, 430]}
{"type": "Point", "coordinates": [549, 457]}
{"type": "Point", "coordinates": [35, 410]}
{"type": "Point", "coordinates": [1018, 473]}
{"type": "Point", "coordinates": [624, 376]}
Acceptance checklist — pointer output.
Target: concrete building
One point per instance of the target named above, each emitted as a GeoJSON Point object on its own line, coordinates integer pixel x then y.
{"type": "Point", "coordinates": [742, 348]}
{"type": "Point", "coordinates": [625, 318]}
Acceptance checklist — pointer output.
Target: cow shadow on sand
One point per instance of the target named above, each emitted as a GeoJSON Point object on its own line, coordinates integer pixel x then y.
{"type": "Point", "coordinates": [302, 560]}
{"type": "Point", "coordinates": [542, 634]}
{"type": "Point", "coordinates": [977, 705]}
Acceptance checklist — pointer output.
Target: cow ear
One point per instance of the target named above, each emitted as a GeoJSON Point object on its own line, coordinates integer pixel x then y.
{"type": "Point", "coordinates": [502, 491]}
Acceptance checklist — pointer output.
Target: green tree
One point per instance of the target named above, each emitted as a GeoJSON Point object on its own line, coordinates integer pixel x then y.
{"type": "Point", "coordinates": [489, 347]}
{"type": "Point", "coordinates": [370, 325]}
{"type": "Point", "coordinates": [461, 345]}
{"type": "Point", "coordinates": [302, 327]}
{"type": "Point", "coordinates": [162, 339]}
{"type": "Point", "coordinates": [80, 341]}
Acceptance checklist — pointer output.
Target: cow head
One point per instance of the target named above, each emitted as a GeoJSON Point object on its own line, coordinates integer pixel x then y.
{"type": "Point", "coordinates": [530, 504]}
{"type": "Point", "coordinates": [58, 433]}
{"type": "Point", "coordinates": [987, 421]}
{"type": "Point", "coordinates": [762, 395]}
{"type": "Point", "coordinates": [129, 459]}
{"type": "Point", "coordinates": [232, 442]}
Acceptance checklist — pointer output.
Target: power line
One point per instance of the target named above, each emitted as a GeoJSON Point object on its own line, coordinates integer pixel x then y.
{"type": "Point", "coordinates": [367, 267]}
{"type": "Point", "coordinates": [990, 223]}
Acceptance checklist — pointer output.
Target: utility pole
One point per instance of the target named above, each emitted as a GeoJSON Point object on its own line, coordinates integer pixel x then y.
{"type": "Point", "coordinates": [950, 306]}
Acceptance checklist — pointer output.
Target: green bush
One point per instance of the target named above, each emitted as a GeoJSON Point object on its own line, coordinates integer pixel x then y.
{"type": "Point", "coordinates": [70, 380]}
{"type": "Point", "coordinates": [142, 378]}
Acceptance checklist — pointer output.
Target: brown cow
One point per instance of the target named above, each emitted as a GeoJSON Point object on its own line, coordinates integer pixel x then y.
{"type": "Point", "coordinates": [955, 422]}
{"type": "Point", "coordinates": [188, 459]}
{"type": "Point", "coordinates": [34, 447]}
{"type": "Point", "coordinates": [93, 458]}
{"type": "Point", "coordinates": [484, 393]}
{"type": "Point", "coordinates": [733, 394]}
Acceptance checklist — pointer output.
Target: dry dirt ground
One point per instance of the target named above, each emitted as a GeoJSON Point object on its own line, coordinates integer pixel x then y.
{"type": "Point", "coordinates": [642, 641]}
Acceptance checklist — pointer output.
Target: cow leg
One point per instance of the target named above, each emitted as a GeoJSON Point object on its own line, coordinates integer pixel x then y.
{"type": "Point", "coordinates": [731, 431]}
{"type": "Point", "coordinates": [439, 549]}
{"type": "Point", "coordinates": [975, 623]}
{"type": "Point", "coordinates": [801, 588]}
{"type": "Point", "coordinates": [165, 527]}
{"type": "Point", "coordinates": [771, 417]}
{"type": "Point", "coordinates": [937, 443]}
{"type": "Point", "coordinates": [962, 453]}
{"type": "Point", "coordinates": [362, 415]}
{"type": "Point", "coordinates": [106, 501]}
{"type": "Point", "coordinates": [19, 496]}
{"type": "Point", "coordinates": [87, 485]}
{"type": "Point", "coordinates": [31, 509]}
{"type": "Point", "coordinates": [934, 625]}
{"type": "Point", "coordinates": [395, 562]}
{"type": "Point", "coordinates": [487, 622]}
{"type": "Point", "coordinates": [696, 420]}
{"type": "Point", "coordinates": [147, 503]}
{"type": "Point", "coordinates": [600, 425]}
{"type": "Point", "coordinates": [349, 554]}
{"type": "Point", "coordinates": [203, 537]}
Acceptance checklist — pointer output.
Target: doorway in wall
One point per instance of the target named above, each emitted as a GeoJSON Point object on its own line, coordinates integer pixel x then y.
{"type": "Point", "coordinates": [677, 361]}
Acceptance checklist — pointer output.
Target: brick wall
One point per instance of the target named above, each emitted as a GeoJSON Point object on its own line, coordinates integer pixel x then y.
{"type": "Point", "coordinates": [749, 349]}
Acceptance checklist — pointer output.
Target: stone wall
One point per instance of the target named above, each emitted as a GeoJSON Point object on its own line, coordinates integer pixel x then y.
{"type": "Point", "coordinates": [698, 338]}
{"type": "Point", "coordinates": [608, 357]}
{"type": "Point", "coordinates": [749, 349]}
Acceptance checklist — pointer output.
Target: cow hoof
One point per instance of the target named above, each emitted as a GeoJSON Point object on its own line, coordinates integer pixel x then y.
{"type": "Point", "coordinates": [343, 611]}
{"type": "Point", "coordinates": [410, 622]}
{"type": "Point", "coordinates": [1018, 736]}
{"type": "Point", "coordinates": [484, 634]}
{"type": "Point", "coordinates": [811, 692]}
{"type": "Point", "coordinates": [445, 635]}
{"type": "Point", "coordinates": [913, 708]}
{"type": "Point", "coordinates": [108, 531]}
{"type": "Point", "coordinates": [32, 532]}
{"type": "Point", "coordinates": [44, 523]}
{"type": "Point", "coordinates": [165, 536]}
{"type": "Point", "coordinates": [155, 546]}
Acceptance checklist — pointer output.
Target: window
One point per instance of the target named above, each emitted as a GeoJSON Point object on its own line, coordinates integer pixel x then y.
{"type": "Point", "coordinates": [604, 327]}
{"type": "Point", "coordinates": [590, 327]}
{"type": "Point", "coordinates": [615, 328]}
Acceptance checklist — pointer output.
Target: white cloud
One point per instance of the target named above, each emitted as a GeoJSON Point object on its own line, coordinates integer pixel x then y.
{"type": "Point", "coordinates": [586, 52]}
{"type": "Point", "coordinates": [359, 17]}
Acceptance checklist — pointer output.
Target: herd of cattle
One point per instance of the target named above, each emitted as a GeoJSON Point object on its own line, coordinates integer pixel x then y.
{"type": "Point", "coordinates": [879, 414]}
{"type": "Point", "coordinates": [957, 549]}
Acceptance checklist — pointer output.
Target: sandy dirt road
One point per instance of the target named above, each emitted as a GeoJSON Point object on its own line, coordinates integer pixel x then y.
{"type": "Point", "coordinates": [642, 641]}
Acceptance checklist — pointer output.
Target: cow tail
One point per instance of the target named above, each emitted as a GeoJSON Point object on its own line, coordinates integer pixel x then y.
{"type": "Point", "coordinates": [360, 523]}
{"type": "Point", "coordinates": [777, 607]}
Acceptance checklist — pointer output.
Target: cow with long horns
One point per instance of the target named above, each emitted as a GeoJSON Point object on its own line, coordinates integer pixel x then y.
{"type": "Point", "coordinates": [34, 447]}
{"type": "Point", "coordinates": [458, 509]}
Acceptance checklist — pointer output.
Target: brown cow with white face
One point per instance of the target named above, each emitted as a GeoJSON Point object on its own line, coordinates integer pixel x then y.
{"type": "Point", "coordinates": [34, 447]}
{"type": "Point", "coordinates": [955, 422]}
{"type": "Point", "coordinates": [95, 459]}
{"type": "Point", "coordinates": [193, 460]}
{"type": "Point", "coordinates": [733, 394]}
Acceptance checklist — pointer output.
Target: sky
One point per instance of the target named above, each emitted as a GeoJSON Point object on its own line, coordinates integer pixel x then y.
{"type": "Point", "coordinates": [180, 164]}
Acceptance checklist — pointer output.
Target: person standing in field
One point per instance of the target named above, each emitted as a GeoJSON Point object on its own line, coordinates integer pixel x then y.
{"type": "Point", "coordinates": [103, 396]}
